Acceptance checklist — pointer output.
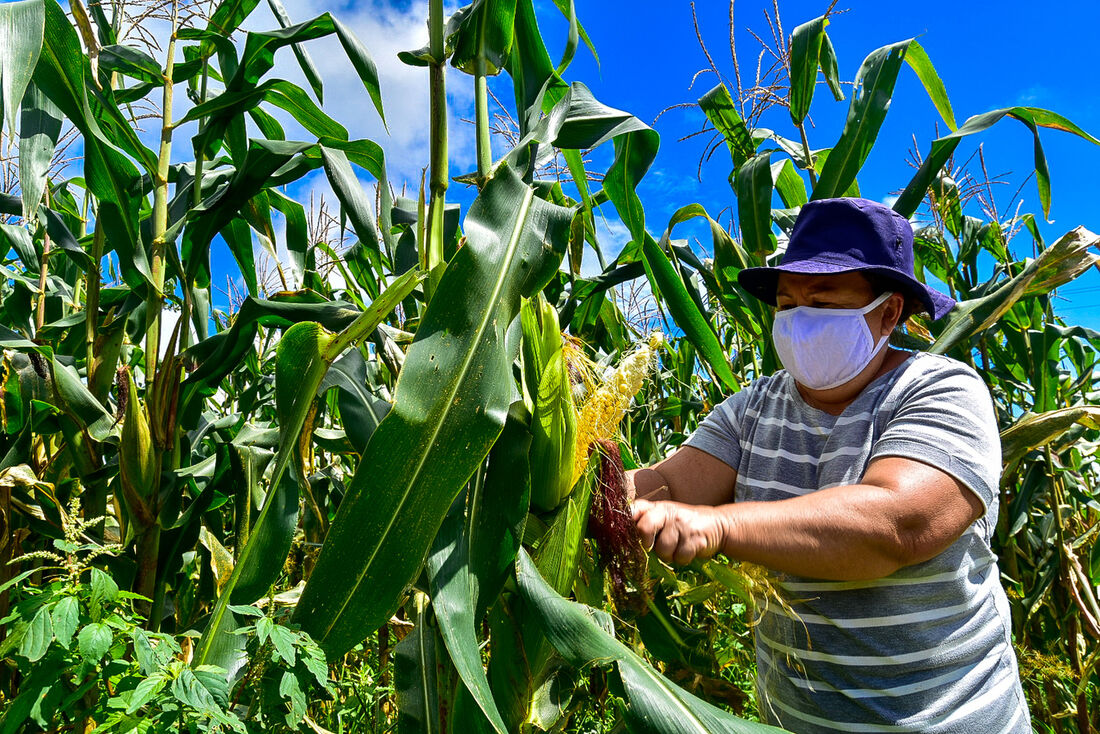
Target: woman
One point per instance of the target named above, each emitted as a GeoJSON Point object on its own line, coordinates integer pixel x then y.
{"type": "Point", "coordinates": [867, 478]}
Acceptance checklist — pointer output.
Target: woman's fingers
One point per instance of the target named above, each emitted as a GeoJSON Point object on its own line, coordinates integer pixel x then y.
{"type": "Point", "coordinates": [645, 522]}
{"type": "Point", "coordinates": [676, 533]}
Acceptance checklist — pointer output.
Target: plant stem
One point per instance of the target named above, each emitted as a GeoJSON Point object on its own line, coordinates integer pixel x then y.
{"type": "Point", "coordinates": [809, 156]}
{"type": "Point", "coordinates": [160, 210]}
{"type": "Point", "coordinates": [40, 313]}
{"type": "Point", "coordinates": [439, 175]}
{"type": "Point", "coordinates": [196, 197]}
{"type": "Point", "coordinates": [91, 303]}
{"type": "Point", "coordinates": [481, 116]}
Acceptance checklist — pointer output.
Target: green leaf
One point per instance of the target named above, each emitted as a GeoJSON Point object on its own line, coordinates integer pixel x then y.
{"type": "Point", "coordinates": [805, 59]}
{"type": "Point", "coordinates": [535, 81]}
{"type": "Point", "coordinates": [283, 641]}
{"type": "Point", "coordinates": [498, 509]}
{"type": "Point", "coordinates": [942, 148]}
{"type": "Point", "coordinates": [754, 204]}
{"type": "Point", "coordinates": [717, 105]}
{"type": "Point", "coordinates": [1060, 263]}
{"type": "Point", "coordinates": [484, 32]}
{"type": "Point", "coordinates": [829, 68]}
{"type": "Point", "coordinates": [414, 667]}
{"type": "Point", "coordinates": [104, 588]}
{"type": "Point", "coordinates": [580, 121]}
{"type": "Point", "coordinates": [454, 599]}
{"type": "Point", "coordinates": [263, 159]}
{"type": "Point", "coordinates": [580, 634]}
{"type": "Point", "coordinates": [39, 635]}
{"type": "Point", "coordinates": [293, 401]}
{"type": "Point", "coordinates": [874, 89]}
{"type": "Point", "coordinates": [190, 691]}
{"type": "Point", "coordinates": [291, 690]}
{"type": "Point", "coordinates": [146, 690]}
{"type": "Point", "coordinates": [272, 537]}
{"type": "Point", "coordinates": [353, 201]}
{"type": "Point", "coordinates": [66, 618]}
{"type": "Point", "coordinates": [788, 184]}
{"type": "Point", "coordinates": [360, 410]}
{"type": "Point", "coordinates": [109, 142]}
{"type": "Point", "coordinates": [686, 314]}
{"type": "Point", "coordinates": [22, 25]}
{"type": "Point", "coordinates": [300, 52]}
{"type": "Point", "coordinates": [1033, 431]}
{"type": "Point", "coordinates": [364, 65]}
{"type": "Point", "coordinates": [93, 641]}
{"type": "Point", "coordinates": [38, 134]}
{"type": "Point", "coordinates": [917, 58]}
{"type": "Point", "coordinates": [450, 405]}
{"type": "Point", "coordinates": [558, 554]}
{"type": "Point", "coordinates": [264, 625]}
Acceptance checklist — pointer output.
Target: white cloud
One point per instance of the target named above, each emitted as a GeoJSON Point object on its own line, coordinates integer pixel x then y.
{"type": "Point", "coordinates": [384, 30]}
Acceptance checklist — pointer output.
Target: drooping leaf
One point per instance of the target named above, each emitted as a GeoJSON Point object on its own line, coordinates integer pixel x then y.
{"type": "Point", "coordinates": [917, 58]}
{"type": "Point", "coordinates": [38, 134]}
{"type": "Point", "coordinates": [1058, 264]}
{"type": "Point", "coordinates": [754, 204]}
{"type": "Point", "coordinates": [1033, 431]}
{"type": "Point", "coordinates": [353, 200]}
{"type": "Point", "coordinates": [450, 405]}
{"type": "Point", "coordinates": [498, 511]}
{"type": "Point", "coordinates": [942, 148]}
{"type": "Point", "coordinates": [22, 25]}
{"type": "Point", "coordinates": [485, 32]}
{"type": "Point", "coordinates": [582, 636]}
{"type": "Point", "coordinates": [306, 360]}
{"type": "Point", "coordinates": [305, 61]}
{"type": "Point", "coordinates": [454, 599]}
{"type": "Point", "coordinates": [717, 105]}
{"type": "Point", "coordinates": [415, 677]}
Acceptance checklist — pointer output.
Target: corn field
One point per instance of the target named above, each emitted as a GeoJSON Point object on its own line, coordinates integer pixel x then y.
{"type": "Point", "coordinates": [379, 487]}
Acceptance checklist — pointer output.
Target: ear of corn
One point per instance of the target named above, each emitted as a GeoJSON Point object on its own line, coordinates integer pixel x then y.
{"type": "Point", "coordinates": [553, 436]}
{"type": "Point", "coordinates": [541, 338]}
{"type": "Point", "coordinates": [137, 459]}
{"type": "Point", "coordinates": [606, 405]}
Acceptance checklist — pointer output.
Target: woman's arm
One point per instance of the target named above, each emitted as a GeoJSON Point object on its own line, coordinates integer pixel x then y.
{"type": "Point", "coordinates": [903, 512]}
{"type": "Point", "coordinates": [689, 475]}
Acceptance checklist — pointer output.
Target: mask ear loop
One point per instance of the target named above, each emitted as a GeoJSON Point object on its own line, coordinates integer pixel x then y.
{"type": "Point", "coordinates": [885, 339]}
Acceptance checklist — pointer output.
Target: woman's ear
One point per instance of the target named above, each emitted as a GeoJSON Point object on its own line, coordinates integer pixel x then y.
{"type": "Point", "coordinates": [891, 313]}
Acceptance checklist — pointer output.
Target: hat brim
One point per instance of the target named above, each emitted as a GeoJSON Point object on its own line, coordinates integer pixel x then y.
{"type": "Point", "coordinates": [762, 282]}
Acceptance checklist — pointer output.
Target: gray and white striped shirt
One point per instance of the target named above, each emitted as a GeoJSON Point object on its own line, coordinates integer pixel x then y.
{"type": "Point", "coordinates": [926, 649]}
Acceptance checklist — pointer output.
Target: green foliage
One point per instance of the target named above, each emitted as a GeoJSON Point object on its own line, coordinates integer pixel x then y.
{"type": "Point", "coordinates": [371, 452]}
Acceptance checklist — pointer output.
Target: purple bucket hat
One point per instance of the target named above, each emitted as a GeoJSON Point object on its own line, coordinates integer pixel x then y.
{"type": "Point", "coordinates": [847, 235]}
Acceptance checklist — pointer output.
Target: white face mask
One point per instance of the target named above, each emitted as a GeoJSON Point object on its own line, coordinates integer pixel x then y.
{"type": "Point", "coordinates": [823, 348]}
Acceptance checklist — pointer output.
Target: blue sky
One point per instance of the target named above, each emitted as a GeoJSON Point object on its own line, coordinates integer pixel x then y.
{"type": "Point", "coordinates": [989, 55]}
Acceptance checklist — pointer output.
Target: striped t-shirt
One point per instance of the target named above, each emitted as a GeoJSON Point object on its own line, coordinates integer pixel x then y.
{"type": "Point", "coordinates": [926, 649]}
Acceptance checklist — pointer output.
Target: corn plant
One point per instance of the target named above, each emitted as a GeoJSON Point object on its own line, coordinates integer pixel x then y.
{"type": "Point", "coordinates": [412, 433]}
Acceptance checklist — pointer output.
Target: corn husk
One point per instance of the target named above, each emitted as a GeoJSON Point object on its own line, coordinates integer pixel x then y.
{"type": "Point", "coordinates": [553, 436]}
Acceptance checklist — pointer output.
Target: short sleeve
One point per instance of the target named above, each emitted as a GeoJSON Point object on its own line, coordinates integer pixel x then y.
{"type": "Point", "coordinates": [720, 432]}
{"type": "Point", "coordinates": [946, 420]}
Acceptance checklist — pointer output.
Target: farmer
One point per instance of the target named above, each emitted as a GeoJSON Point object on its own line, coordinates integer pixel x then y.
{"type": "Point", "coordinates": [866, 478]}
